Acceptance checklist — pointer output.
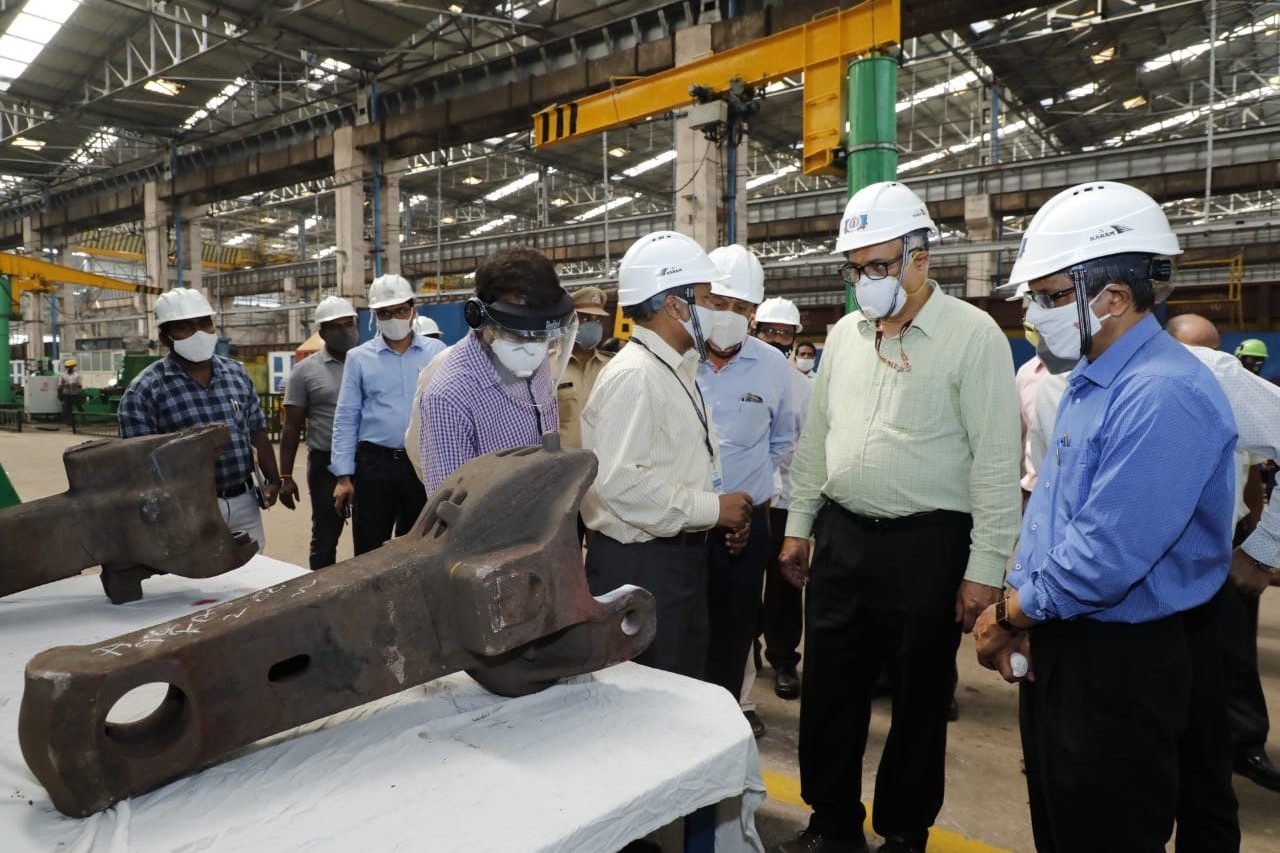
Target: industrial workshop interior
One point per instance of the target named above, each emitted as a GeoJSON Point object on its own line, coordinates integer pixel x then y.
{"type": "Point", "coordinates": [605, 425]}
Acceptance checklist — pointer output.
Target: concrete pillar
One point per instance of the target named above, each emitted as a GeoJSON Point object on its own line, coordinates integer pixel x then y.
{"type": "Point", "coordinates": [980, 221]}
{"type": "Point", "coordinates": [297, 321]}
{"type": "Point", "coordinates": [155, 241]}
{"type": "Point", "coordinates": [35, 308]}
{"type": "Point", "coordinates": [698, 198]}
{"type": "Point", "coordinates": [67, 301]}
{"type": "Point", "coordinates": [193, 249]}
{"type": "Point", "coordinates": [348, 176]}
{"type": "Point", "coordinates": [740, 199]}
{"type": "Point", "coordinates": [391, 172]}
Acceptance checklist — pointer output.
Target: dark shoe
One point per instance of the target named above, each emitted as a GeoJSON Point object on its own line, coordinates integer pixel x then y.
{"type": "Point", "coordinates": [812, 842]}
{"type": "Point", "coordinates": [786, 684]}
{"type": "Point", "coordinates": [953, 710]}
{"type": "Point", "coordinates": [897, 844]}
{"type": "Point", "coordinates": [1253, 764]}
{"type": "Point", "coordinates": [757, 725]}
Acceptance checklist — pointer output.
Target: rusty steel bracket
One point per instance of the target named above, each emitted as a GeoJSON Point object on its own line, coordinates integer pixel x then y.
{"type": "Point", "coordinates": [490, 580]}
{"type": "Point", "coordinates": [136, 507]}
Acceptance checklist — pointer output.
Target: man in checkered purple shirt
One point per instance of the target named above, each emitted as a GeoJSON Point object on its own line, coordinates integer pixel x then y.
{"type": "Point", "coordinates": [495, 389]}
{"type": "Point", "coordinates": [193, 387]}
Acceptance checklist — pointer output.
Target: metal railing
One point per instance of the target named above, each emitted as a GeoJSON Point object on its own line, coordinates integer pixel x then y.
{"type": "Point", "coordinates": [95, 423]}
{"type": "Point", "coordinates": [11, 418]}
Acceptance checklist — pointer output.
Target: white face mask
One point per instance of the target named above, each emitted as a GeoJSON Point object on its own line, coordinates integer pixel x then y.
{"type": "Point", "coordinates": [878, 298]}
{"type": "Point", "coordinates": [395, 330]}
{"type": "Point", "coordinates": [198, 347]}
{"type": "Point", "coordinates": [1059, 328]}
{"type": "Point", "coordinates": [706, 319]}
{"type": "Point", "coordinates": [728, 330]}
{"type": "Point", "coordinates": [804, 365]}
{"type": "Point", "coordinates": [522, 358]}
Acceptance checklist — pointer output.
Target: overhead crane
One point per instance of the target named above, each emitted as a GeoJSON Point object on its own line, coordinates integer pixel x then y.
{"type": "Point", "coordinates": [820, 49]}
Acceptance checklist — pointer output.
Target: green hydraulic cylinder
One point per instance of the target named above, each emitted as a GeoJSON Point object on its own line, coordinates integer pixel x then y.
{"type": "Point", "coordinates": [6, 307]}
{"type": "Point", "coordinates": [872, 145]}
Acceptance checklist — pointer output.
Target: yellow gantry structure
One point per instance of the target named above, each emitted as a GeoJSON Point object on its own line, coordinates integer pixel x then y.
{"type": "Point", "coordinates": [32, 275]}
{"type": "Point", "coordinates": [820, 49]}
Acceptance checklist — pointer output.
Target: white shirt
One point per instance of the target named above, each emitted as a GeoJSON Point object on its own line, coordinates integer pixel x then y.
{"type": "Point", "coordinates": [801, 392]}
{"type": "Point", "coordinates": [655, 478]}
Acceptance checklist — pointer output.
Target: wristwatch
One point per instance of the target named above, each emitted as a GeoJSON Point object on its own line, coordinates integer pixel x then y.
{"type": "Point", "coordinates": [1002, 617]}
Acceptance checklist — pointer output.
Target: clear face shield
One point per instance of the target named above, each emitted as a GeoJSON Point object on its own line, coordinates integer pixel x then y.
{"type": "Point", "coordinates": [532, 342]}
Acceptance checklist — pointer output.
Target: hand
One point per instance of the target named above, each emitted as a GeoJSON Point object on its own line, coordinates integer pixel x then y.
{"type": "Point", "coordinates": [735, 541]}
{"type": "Point", "coordinates": [344, 494]}
{"type": "Point", "coordinates": [735, 511]}
{"type": "Point", "coordinates": [996, 645]}
{"type": "Point", "coordinates": [793, 560]}
{"type": "Point", "coordinates": [269, 494]}
{"type": "Point", "coordinates": [288, 492]}
{"type": "Point", "coordinates": [1246, 576]}
{"type": "Point", "coordinates": [971, 599]}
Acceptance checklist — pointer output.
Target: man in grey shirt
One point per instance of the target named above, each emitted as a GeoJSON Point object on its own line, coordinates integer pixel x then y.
{"type": "Point", "coordinates": [310, 398]}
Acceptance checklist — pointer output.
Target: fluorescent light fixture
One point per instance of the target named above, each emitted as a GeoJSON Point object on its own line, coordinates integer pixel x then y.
{"type": "Point", "coordinates": [161, 86]}
{"type": "Point", "coordinates": [28, 33]}
{"type": "Point", "coordinates": [1105, 55]}
{"type": "Point", "coordinates": [1135, 102]}
{"type": "Point", "coordinates": [559, 201]}
{"type": "Point", "coordinates": [455, 8]}
{"type": "Point", "coordinates": [28, 144]}
{"type": "Point", "coordinates": [472, 180]}
{"type": "Point", "coordinates": [619, 151]}
{"type": "Point", "coordinates": [513, 187]}
{"type": "Point", "coordinates": [447, 220]}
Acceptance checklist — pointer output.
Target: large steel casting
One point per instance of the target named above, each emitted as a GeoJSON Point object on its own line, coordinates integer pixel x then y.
{"type": "Point", "coordinates": [490, 580]}
{"type": "Point", "coordinates": [136, 507]}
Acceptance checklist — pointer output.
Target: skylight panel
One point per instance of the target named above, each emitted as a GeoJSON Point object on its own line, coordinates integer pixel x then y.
{"type": "Point", "coordinates": [952, 86]}
{"type": "Point", "coordinates": [490, 225]}
{"type": "Point", "coordinates": [600, 209]}
{"type": "Point", "coordinates": [228, 92]}
{"type": "Point", "coordinates": [513, 187]}
{"type": "Point", "coordinates": [761, 180]}
{"type": "Point", "coordinates": [1190, 52]}
{"type": "Point", "coordinates": [28, 33]}
{"type": "Point", "coordinates": [649, 165]}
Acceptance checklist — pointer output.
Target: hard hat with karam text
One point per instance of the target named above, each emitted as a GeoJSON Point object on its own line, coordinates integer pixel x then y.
{"type": "Point", "coordinates": [181, 303]}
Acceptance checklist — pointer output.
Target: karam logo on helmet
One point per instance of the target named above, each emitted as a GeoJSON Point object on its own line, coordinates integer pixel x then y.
{"type": "Point", "coordinates": [857, 222]}
{"type": "Point", "coordinates": [666, 271]}
{"type": "Point", "coordinates": [1105, 232]}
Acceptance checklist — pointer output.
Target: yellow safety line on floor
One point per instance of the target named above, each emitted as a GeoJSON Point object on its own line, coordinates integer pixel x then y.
{"type": "Point", "coordinates": [785, 789]}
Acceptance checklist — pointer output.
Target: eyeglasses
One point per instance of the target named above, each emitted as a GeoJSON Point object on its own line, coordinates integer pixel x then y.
{"type": "Point", "coordinates": [1047, 300]}
{"type": "Point", "coordinates": [875, 270]}
{"type": "Point", "coordinates": [779, 333]}
{"type": "Point", "coordinates": [397, 313]}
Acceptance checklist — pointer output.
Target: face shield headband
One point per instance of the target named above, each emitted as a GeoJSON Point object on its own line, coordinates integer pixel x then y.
{"type": "Point", "coordinates": [524, 321]}
{"type": "Point", "coordinates": [1157, 270]}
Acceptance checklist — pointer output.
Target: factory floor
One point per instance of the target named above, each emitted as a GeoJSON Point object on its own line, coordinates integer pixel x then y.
{"type": "Point", "coordinates": [985, 808]}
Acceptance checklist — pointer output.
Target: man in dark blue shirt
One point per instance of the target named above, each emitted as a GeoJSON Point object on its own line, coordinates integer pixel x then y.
{"type": "Point", "coordinates": [193, 387]}
{"type": "Point", "coordinates": [1127, 533]}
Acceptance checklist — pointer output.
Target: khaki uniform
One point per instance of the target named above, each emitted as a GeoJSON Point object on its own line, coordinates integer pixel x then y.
{"type": "Point", "coordinates": [572, 393]}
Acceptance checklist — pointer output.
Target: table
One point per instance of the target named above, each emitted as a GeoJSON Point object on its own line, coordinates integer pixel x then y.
{"type": "Point", "coordinates": [586, 765]}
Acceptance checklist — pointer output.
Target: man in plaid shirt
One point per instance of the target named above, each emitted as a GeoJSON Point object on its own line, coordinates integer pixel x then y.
{"type": "Point", "coordinates": [193, 387]}
{"type": "Point", "coordinates": [495, 388]}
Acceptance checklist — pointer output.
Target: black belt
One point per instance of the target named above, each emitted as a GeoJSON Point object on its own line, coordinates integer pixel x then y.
{"type": "Point", "coordinates": [686, 538]}
{"type": "Point", "coordinates": [871, 524]}
{"type": "Point", "coordinates": [394, 453]}
{"type": "Point", "coordinates": [235, 491]}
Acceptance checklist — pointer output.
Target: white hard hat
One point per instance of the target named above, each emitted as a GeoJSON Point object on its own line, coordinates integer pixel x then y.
{"type": "Point", "coordinates": [389, 290]}
{"type": "Point", "coordinates": [778, 310]}
{"type": "Point", "coordinates": [334, 308]}
{"type": "Point", "coordinates": [424, 325]}
{"type": "Point", "coordinates": [660, 261]}
{"type": "Point", "coordinates": [745, 275]}
{"type": "Point", "coordinates": [881, 212]}
{"type": "Point", "coordinates": [1089, 221]}
{"type": "Point", "coordinates": [181, 303]}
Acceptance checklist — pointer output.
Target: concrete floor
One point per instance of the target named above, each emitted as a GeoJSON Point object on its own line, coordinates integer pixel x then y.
{"type": "Point", "coordinates": [985, 805]}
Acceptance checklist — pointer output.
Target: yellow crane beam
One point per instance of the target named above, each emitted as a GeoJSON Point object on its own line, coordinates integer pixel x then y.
{"type": "Point", "coordinates": [820, 49]}
{"type": "Point", "coordinates": [32, 275]}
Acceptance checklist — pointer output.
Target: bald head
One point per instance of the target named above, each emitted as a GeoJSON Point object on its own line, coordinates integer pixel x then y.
{"type": "Point", "coordinates": [1193, 330]}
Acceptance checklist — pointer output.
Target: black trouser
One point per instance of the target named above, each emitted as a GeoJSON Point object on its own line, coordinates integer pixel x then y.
{"type": "Point", "coordinates": [675, 572]}
{"type": "Point", "coordinates": [877, 595]}
{"type": "Point", "coordinates": [389, 496]}
{"type": "Point", "coordinates": [783, 603]}
{"type": "Point", "coordinates": [326, 524]}
{"type": "Point", "coordinates": [1207, 806]}
{"type": "Point", "coordinates": [70, 401]}
{"type": "Point", "coordinates": [734, 585]}
{"type": "Point", "coordinates": [1100, 726]}
{"type": "Point", "coordinates": [1248, 706]}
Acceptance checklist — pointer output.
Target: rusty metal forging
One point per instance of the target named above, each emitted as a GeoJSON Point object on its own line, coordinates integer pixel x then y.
{"type": "Point", "coordinates": [489, 580]}
{"type": "Point", "coordinates": [136, 507]}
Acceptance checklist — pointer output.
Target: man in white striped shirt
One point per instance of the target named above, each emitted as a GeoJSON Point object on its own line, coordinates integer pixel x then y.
{"type": "Point", "coordinates": [657, 492]}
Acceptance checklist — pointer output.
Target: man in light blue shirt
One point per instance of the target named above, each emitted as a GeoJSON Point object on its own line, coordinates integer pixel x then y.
{"type": "Point", "coordinates": [1127, 533]}
{"type": "Point", "coordinates": [747, 384]}
{"type": "Point", "coordinates": [376, 481]}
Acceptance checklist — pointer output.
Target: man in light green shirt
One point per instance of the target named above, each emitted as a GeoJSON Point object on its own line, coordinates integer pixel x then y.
{"type": "Point", "coordinates": [906, 475]}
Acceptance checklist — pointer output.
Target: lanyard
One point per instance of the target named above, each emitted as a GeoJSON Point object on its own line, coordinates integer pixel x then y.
{"type": "Point", "coordinates": [699, 410]}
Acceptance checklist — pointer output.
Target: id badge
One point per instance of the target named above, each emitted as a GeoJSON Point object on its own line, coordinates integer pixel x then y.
{"type": "Point", "coordinates": [717, 479]}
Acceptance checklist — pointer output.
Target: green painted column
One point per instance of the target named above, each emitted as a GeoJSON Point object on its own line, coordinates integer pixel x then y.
{"type": "Point", "coordinates": [6, 307]}
{"type": "Point", "coordinates": [872, 144]}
